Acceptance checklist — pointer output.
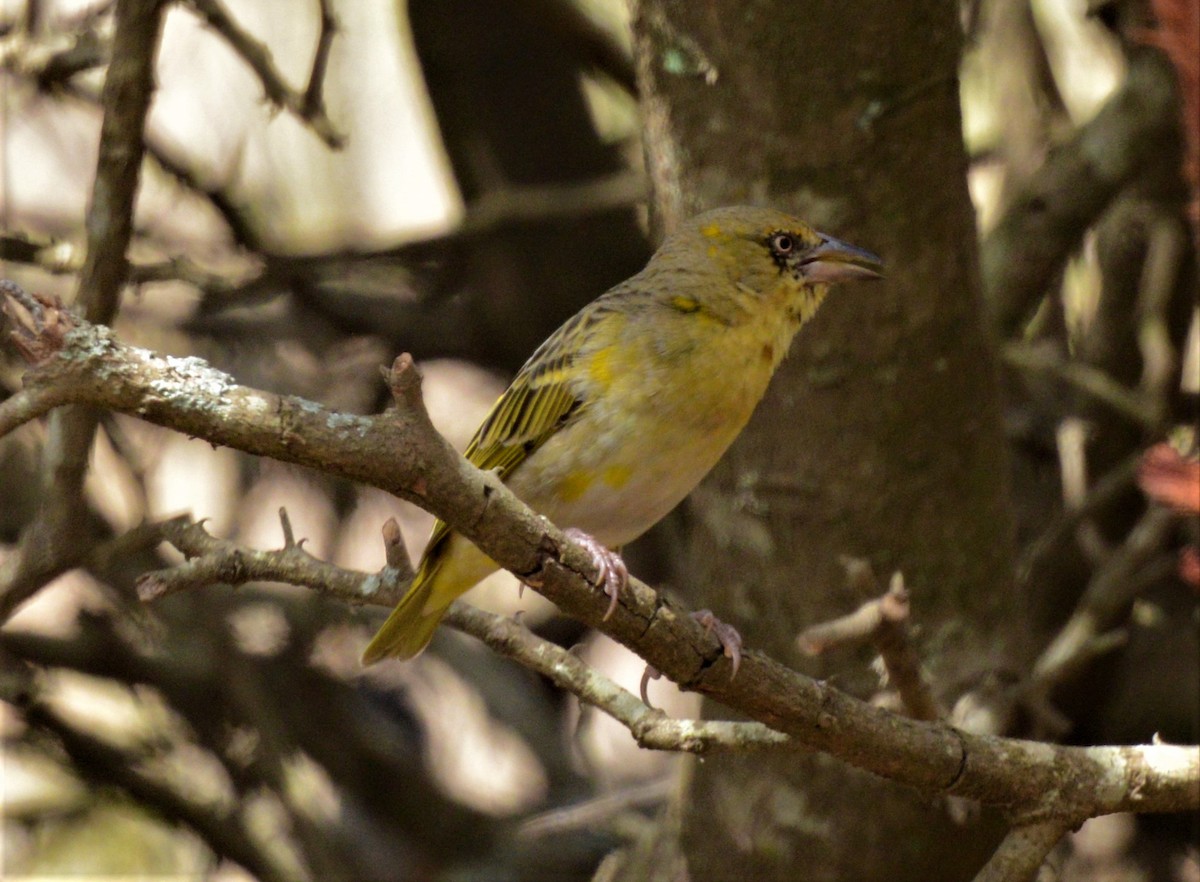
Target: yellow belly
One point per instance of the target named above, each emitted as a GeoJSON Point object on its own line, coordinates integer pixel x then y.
{"type": "Point", "coordinates": [644, 441]}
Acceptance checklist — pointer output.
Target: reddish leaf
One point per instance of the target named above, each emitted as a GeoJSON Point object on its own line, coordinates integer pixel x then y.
{"type": "Point", "coordinates": [1189, 565]}
{"type": "Point", "coordinates": [1167, 477]}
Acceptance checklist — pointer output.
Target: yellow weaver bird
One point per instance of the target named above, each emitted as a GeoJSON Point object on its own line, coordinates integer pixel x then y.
{"type": "Point", "coordinates": [622, 410]}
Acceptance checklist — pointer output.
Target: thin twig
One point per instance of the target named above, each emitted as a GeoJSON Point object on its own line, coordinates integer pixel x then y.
{"type": "Point", "coordinates": [651, 728]}
{"type": "Point", "coordinates": [307, 105]}
{"type": "Point", "coordinates": [1129, 403]}
{"type": "Point", "coordinates": [1109, 592]}
{"type": "Point", "coordinates": [216, 561]}
{"type": "Point", "coordinates": [884, 622]}
{"type": "Point", "coordinates": [593, 812]}
{"type": "Point", "coordinates": [314, 100]}
{"type": "Point", "coordinates": [1115, 482]}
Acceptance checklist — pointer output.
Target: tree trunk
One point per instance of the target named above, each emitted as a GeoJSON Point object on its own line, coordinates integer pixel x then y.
{"type": "Point", "coordinates": [881, 437]}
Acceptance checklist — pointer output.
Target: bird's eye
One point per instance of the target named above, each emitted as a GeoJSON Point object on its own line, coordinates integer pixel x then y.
{"type": "Point", "coordinates": [782, 244]}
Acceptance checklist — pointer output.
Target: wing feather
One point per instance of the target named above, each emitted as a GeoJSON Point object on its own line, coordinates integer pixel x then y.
{"type": "Point", "coordinates": [538, 403]}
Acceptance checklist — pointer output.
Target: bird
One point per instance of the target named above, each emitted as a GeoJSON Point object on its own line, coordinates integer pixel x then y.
{"type": "Point", "coordinates": [621, 412]}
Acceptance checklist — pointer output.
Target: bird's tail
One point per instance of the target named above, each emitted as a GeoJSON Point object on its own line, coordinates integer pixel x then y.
{"type": "Point", "coordinates": [409, 628]}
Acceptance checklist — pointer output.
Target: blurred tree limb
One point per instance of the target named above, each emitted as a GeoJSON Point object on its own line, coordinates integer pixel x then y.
{"type": "Point", "coordinates": [400, 452]}
{"type": "Point", "coordinates": [105, 765]}
{"type": "Point", "coordinates": [1048, 217]}
{"type": "Point", "coordinates": [373, 743]}
{"type": "Point", "coordinates": [128, 86]}
{"type": "Point", "coordinates": [307, 104]}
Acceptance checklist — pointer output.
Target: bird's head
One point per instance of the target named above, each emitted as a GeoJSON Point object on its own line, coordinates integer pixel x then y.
{"type": "Point", "coordinates": [772, 260]}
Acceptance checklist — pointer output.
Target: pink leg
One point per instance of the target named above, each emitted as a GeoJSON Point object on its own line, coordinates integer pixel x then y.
{"type": "Point", "coordinates": [727, 636]}
{"type": "Point", "coordinates": [614, 576]}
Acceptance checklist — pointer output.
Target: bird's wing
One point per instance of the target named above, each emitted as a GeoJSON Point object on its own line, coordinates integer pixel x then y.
{"type": "Point", "coordinates": [538, 403]}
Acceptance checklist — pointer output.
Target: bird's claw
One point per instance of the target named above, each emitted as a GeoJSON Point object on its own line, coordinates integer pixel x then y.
{"type": "Point", "coordinates": [649, 673]}
{"type": "Point", "coordinates": [727, 636]}
{"type": "Point", "coordinates": [614, 575]}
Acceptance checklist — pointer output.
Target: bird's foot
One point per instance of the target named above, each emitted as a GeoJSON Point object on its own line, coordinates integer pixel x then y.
{"type": "Point", "coordinates": [727, 636]}
{"type": "Point", "coordinates": [614, 576]}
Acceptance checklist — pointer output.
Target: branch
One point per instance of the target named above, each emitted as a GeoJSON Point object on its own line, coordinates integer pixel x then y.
{"type": "Point", "coordinates": [500, 207]}
{"type": "Point", "coordinates": [1047, 220]}
{"type": "Point", "coordinates": [1135, 405]}
{"type": "Point", "coordinates": [400, 452]}
{"type": "Point", "coordinates": [219, 196]}
{"type": "Point", "coordinates": [307, 105]}
{"type": "Point", "coordinates": [1022, 851]}
{"type": "Point", "coordinates": [50, 59]}
{"type": "Point", "coordinates": [212, 560]}
{"type": "Point", "coordinates": [1060, 531]}
{"type": "Point", "coordinates": [592, 813]}
{"type": "Point", "coordinates": [587, 39]}
{"type": "Point", "coordinates": [884, 622]}
{"type": "Point", "coordinates": [314, 101]}
{"type": "Point", "coordinates": [1166, 252]}
{"type": "Point", "coordinates": [650, 727]}
{"type": "Point", "coordinates": [128, 87]}
{"type": "Point", "coordinates": [43, 551]}
{"type": "Point", "coordinates": [58, 258]}
{"type": "Point", "coordinates": [102, 647]}
{"type": "Point", "coordinates": [1111, 589]}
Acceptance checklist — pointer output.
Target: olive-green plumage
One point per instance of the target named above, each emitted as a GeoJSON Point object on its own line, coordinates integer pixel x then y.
{"type": "Point", "coordinates": [623, 409]}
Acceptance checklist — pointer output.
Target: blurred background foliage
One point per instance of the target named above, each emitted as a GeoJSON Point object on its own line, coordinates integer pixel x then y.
{"type": "Point", "coordinates": [489, 184]}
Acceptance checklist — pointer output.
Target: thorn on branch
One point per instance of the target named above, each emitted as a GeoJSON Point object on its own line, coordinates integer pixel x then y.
{"type": "Point", "coordinates": [399, 565]}
{"type": "Point", "coordinates": [403, 379]}
{"type": "Point", "coordinates": [289, 538]}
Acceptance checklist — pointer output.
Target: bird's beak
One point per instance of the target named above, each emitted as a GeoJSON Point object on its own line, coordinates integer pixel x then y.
{"type": "Point", "coordinates": [836, 261]}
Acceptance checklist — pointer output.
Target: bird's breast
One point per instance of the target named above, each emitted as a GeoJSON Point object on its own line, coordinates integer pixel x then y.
{"type": "Point", "coordinates": [654, 422]}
